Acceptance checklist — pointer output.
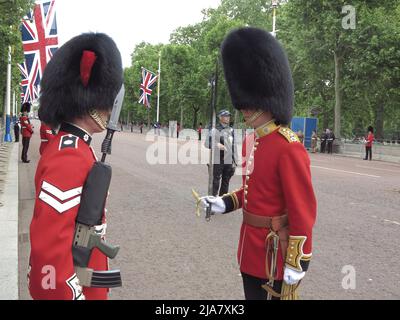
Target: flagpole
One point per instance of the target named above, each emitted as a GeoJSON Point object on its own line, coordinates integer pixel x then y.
{"type": "Point", "coordinates": [158, 90]}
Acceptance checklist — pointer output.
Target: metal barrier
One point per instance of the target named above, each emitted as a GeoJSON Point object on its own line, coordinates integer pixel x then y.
{"type": "Point", "coordinates": [381, 150]}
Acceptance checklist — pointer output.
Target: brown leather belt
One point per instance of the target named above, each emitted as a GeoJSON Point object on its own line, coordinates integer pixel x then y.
{"type": "Point", "coordinates": [273, 223]}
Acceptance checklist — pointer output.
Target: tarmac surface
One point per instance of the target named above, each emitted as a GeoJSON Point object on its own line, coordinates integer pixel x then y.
{"type": "Point", "coordinates": [168, 253]}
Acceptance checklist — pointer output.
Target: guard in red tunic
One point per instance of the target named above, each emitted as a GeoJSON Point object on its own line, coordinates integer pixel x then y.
{"type": "Point", "coordinates": [26, 131]}
{"type": "Point", "coordinates": [277, 196]}
{"type": "Point", "coordinates": [46, 135]}
{"type": "Point", "coordinates": [368, 143]}
{"type": "Point", "coordinates": [68, 259]}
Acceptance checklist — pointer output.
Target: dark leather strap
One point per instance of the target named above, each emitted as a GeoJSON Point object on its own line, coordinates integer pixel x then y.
{"type": "Point", "coordinates": [273, 223]}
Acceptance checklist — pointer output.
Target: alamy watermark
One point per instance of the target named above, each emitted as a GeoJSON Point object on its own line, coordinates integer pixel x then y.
{"type": "Point", "coordinates": [349, 280]}
{"type": "Point", "coordinates": [188, 150]}
{"type": "Point", "coordinates": [349, 21]}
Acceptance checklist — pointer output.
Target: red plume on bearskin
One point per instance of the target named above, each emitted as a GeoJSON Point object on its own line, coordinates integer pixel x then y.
{"type": "Point", "coordinates": [84, 74]}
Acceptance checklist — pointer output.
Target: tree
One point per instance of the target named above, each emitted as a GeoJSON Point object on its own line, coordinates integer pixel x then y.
{"type": "Point", "coordinates": [11, 13]}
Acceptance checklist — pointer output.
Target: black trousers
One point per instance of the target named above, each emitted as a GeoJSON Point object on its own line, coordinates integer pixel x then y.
{"type": "Point", "coordinates": [25, 148]}
{"type": "Point", "coordinates": [330, 146]}
{"type": "Point", "coordinates": [16, 134]}
{"type": "Point", "coordinates": [368, 153]}
{"type": "Point", "coordinates": [323, 146]}
{"type": "Point", "coordinates": [222, 176]}
{"type": "Point", "coordinates": [254, 291]}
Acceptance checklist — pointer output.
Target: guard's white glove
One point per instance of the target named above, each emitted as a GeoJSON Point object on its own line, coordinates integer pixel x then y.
{"type": "Point", "coordinates": [218, 205]}
{"type": "Point", "coordinates": [292, 277]}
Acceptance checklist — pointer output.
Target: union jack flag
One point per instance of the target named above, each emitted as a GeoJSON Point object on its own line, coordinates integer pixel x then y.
{"type": "Point", "coordinates": [40, 41]}
{"type": "Point", "coordinates": [146, 88]}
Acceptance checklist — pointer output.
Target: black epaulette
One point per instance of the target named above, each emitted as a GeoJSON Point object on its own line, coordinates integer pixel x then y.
{"type": "Point", "coordinates": [68, 141]}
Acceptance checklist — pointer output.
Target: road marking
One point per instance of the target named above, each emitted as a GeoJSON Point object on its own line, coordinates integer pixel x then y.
{"type": "Point", "coordinates": [349, 172]}
{"type": "Point", "coordinates": [373, 168]}
{"type": "Point", "coordinates": [393, 222]}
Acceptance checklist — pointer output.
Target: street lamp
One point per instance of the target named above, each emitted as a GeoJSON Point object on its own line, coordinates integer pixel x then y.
{"type": "Point", "coordinates": [7, 137]}
{"type": "Point", "coordinates": [275, 4]}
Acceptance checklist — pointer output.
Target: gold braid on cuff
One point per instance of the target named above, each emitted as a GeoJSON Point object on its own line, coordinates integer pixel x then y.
{"type": "Point", "coordinates": [295, 254]}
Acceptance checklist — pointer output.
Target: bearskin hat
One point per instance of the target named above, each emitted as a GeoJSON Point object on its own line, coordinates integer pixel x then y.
{"type": "Point", "coordinates": [370, 129]}
{"type": "Point", "coordinates": [26, 107]}
{"type": "Point", "coordinates": [84, 74]}
{"type": "Point", "coordinates": [257, 73]}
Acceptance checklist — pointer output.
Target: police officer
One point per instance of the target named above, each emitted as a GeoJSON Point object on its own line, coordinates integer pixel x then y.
{"type": "Point", "coordinates": [324, 137]}
{"type": "Point", "coordinates": [330, 138]}
{"type": "Point", "coordinates": [225, 153]}
{"type": "Point", "coordinates": [79, 87]}
{"type": "Point", "coordinates": [277, 196]}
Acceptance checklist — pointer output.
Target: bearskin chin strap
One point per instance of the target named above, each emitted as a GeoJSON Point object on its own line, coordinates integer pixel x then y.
{"type": "Point", "coordinates": [254, 117]}
{"type": "Point", "coordinates": [98, 119]}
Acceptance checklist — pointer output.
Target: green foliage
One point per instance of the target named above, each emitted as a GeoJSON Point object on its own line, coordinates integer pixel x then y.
{"type": "Point", "coordinates": [11, 13]}
{"type": "Point", "coordinates": [366, 72]}
{"type": "Point", "coordinates": [188, 63]}
{"type": "Point", "coordinates": [312, 32]}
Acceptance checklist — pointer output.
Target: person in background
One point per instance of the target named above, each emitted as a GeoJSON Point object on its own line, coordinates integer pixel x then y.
{"type": "Point", "coordinates": [47, 134]}
{"type": "Point", "coordinates": [199, 130]}
{"type": "Point", "coordinates": [141, 127]}
{"type": "Point", "coordinates": [16, 130]}
{"type": "Point", "coordinates": [330, 138]}
{"type": "Point", "coordinates": [178, 129]}
{"type": "Point", "coordinates": [26, 131]}
{"type": "Point", "coordinates": [314, 141]}
{"type": "Point", "coordinates": [368, 144]}
{"type": "Point", "coordinates": [225, 152]}
{"type": "Point", "coordinates": [323, 142]}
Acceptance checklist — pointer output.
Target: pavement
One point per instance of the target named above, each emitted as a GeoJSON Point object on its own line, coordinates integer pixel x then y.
{"type": "Point", "coordinates": [9, 221]}
{"type": "Point", "coordinates": [168, 253]}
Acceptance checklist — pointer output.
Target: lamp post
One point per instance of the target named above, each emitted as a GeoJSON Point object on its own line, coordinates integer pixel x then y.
{"type": "Point", "coordinates": [274, 6]}
{"type": "Point", "coordinates": [158, 87]}
{"type": "Point", "coordinates": [7, 137]}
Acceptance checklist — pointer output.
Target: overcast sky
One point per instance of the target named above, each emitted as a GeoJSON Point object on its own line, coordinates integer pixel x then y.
{"type": "Point", "coordinates": [128, 22]}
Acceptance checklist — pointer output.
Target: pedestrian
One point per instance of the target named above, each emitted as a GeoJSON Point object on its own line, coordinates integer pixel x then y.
{"type": "Point", "coordinates": [323, 142]}
{"type": "Point", "coordinates": [277, 196]}
{"type": "Point", "coordinates": [26, 131]}
{"type": "Point", "coordinates": [314, 141]}
{"type": "Point", "coordinates": [225, 158]}
{"type": "Point", "coordinates": [178, 129]}
{"type": "Point", "coordinates": [199, 130]}
{"type": "Point", "coordinates": [330, 138]}
{"type": "Point", "coordinates": [47, 134]}
{"type": "Point", "coordinates": [368, 143]}
{"type": "Point", "coordinates": [78, 91]}
{"type": "Point", "coordinates": [16, 130]}
{"type": "Point", "coordinates": [141, 128]}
